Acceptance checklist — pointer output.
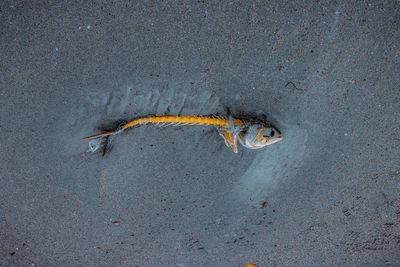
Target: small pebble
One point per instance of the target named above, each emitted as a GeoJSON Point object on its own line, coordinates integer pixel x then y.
{"type": "Point", "coordinates": [116, 222]}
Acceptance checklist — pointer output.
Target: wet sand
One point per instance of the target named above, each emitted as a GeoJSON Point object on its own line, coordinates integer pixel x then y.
{"type": "Point", "coordinates": [326, 74]}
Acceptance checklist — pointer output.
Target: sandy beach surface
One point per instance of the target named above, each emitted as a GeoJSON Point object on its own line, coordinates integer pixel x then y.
{"type": "Point", "coordinates": [326, 73]}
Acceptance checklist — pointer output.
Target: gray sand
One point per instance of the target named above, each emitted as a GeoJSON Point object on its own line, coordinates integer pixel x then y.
{"type": "Point", "coordinates": [327, 74]}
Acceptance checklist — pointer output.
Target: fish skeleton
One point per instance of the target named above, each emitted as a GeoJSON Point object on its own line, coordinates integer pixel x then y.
{"type": "Point", "coordinates": [253, 134]}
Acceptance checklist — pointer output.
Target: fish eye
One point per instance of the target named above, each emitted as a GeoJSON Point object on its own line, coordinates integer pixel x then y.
{"type": "Point", "coordinates": [272, 133]}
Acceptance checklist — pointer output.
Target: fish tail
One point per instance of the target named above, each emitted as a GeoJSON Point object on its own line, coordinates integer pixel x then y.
{"type": "Point", "coordinates": [99, 136]}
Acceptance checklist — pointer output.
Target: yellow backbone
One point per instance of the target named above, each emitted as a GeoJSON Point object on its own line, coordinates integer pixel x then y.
{"type": "Point", "coordinates": [217, 121]}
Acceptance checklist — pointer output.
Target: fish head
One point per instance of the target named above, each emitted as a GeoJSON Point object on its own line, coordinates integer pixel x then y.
{"type": "Point", "coordinates": [259, 135]}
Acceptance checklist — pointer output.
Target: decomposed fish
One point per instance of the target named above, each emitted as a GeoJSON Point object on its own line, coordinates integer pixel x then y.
{"type": "Point", "coordinates": [253, 134]}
